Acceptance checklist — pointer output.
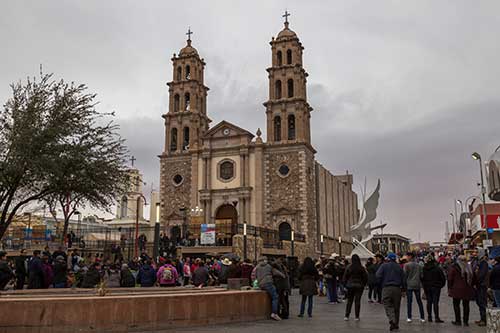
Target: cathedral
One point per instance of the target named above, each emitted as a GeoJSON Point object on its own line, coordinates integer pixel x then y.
{"type": "Point", "coordinates": [227, 175]}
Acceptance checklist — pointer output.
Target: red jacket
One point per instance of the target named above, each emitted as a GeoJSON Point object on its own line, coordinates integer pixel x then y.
{"type": "Point", "coordinates": [457, 285]}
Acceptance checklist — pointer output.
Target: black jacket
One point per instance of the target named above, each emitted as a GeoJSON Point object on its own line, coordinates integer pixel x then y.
{"type": "Point", "coordinates": [433, 276]}
{"type": "Point", "coordinates": [146, 276]}
{"type": "Point", "coordinates": [21, 266]}
{"type": "Point", "coordinates": [127, 279]}
{"type": "Point", "coordinates": [91, 278]}
{"type": "Point", "coordinates": [60, 272]}
{"type": "Point", "coordinates": [355, 277]}
{"type": "Point", "coordinates": [495, 277]}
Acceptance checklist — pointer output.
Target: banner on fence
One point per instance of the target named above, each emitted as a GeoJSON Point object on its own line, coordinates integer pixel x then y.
{"type": "Point", "coordinates": [207, 234]}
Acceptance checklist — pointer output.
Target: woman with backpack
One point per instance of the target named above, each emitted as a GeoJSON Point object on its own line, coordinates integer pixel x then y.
{"type": "Point", "coordinates": [167, 275]}
{"type": "Point", "coordinates": [355, 279]}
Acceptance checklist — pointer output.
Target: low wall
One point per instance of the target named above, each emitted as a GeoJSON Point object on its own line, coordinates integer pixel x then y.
{"type": "Point", "coordinates": [145, 311]}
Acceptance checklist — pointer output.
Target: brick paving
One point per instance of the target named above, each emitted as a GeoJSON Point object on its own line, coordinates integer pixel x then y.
{"type": "Point", "coordinates": [329, 318]}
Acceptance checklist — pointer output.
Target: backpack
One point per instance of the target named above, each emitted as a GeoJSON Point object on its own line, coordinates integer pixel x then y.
{"type": "Point", "coordinates": [167, 274]}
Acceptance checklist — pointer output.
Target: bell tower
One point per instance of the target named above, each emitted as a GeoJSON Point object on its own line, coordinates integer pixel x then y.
{"type": "Point", "coordinates": [186, 120]}
{"type": "Point", "coordinates": [287, 110]}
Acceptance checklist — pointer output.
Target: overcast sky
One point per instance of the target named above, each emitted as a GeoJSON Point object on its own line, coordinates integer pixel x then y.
{"type": "Point", "coordinates": [401, 90]}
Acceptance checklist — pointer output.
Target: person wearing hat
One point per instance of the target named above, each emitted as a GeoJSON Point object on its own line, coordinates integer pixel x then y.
{"type": "Point", "coordinates": [60, 272]}
{"type": "Point", "coordinates": [392, 280]}
{"type": "Point", "coordinates": [330, 276]}
{"type": "Point", "coordinates": [5, 272]}
{"type": "Point", "coordinates": [224, 270]}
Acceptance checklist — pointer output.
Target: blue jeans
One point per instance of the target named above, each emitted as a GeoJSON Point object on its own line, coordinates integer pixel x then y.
{"type": "Point", "coordinates": [496, 294]}
{"type": "Point", "coordinates": [309, 305]}
{"type": "Point", "coordinates": [331, 290]}
{"type": "Point", "coordinates": [481, 301]}
{"type": "Point", "coordinates": [409, 299]}
{"type": "Point", "coordinates": [271, 290]}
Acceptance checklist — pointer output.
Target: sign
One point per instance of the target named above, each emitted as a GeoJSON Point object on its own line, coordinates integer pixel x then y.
{"type": "Point", "coordinates": [487, 243]}
{"type": "Point", "coordinates": [207, 236]}
{"type": "Point", "coordinates": [490, 230]}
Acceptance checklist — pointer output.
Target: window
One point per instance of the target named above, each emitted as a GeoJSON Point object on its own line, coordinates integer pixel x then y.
{"type": "Point", "coordinates": [291, 127]}
{"type": "Point", "coordinates": [277, 128]}
{"type": "Point", "coordinates": [277, 89]}
{"type": "Point", "coordinates": [176, 103]}
{"type": "Point", "coordinates": [226, 170]}
{"type": "Point", "coordinates": [279, 58]}
{"type": "Point", "coordinates": [188, 72]}
{"type": "Point", "coordinates": [187, 101]}
{"type": "Point", "coordinates": [289, 57]}
{"type": "Point", "coordinates": [179, 73]}
{"type": "Point", "coordinates": [185, 145]}
{"type": "Point", "coordinates": [173, 140]}
{"type": "Point", "coordinates": [177, 179]}
{"type": "Point", "coordinates": [285, 231]}
{"type": "Point", "coordinates": [284, 170]}
{"type": "Point", "coordinates": [290, 88]}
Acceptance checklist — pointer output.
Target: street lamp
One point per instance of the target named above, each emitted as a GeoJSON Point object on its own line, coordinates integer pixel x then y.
{"type": "Point", "coordinates": [293, 243]}
{"type": "Point", "coordinates": [321, 241]}
{"type": "Point", "coordinates": [453, 222]}
{"type": "Point", "coordinates": [340, 246]}
{"type": "Point", "coordinates": [477, 157]}
{"type": "Point", "coordinates": [244, 240]}
{"type": "Point", "coordinates": [136, 248]}
{"type": "Point", "coordinates": [157, 233]}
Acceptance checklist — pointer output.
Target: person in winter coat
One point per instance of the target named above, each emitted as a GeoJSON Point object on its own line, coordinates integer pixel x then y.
{"type": "Point", "coordinates": [6, 273]}
{"type": "Point", "coordinates": [234, 271]}
{"type": "Point", "coordinates": [392, 279]}
{"type": "Point", "coordinates": [200, 275]}
{"type": "Point", "coordinates": [48, 272]}
{"type": "Point", "coordinates": [433, 280]}
{"type": "Point", "coordinates": [35, 271]}
{"type": "Point", "coordinates": [167, 274]}
{"type": "Point", "coordinates": [282, 283]}
{"type": "Point", "coordinates": [264, 276]}
{"type": "Point", "coordinates": [60, 272]}
{"type": "Point", "coordinates": [112, 277]}
{"type": "Point", "coordinates": [93, 276]}
{"type": "Point", "coordinates": [481, 279]}
{"type": "Point", "coordinates": [21, 269]}
{"type": "Point", "coordinates": [355, 279]}
{"type": "Point", "coordinates": [127, 279]}
{"type": "Point", "coordinates": [147, 275]}
{"type": "Point", "coordinates": [371, 269]}
{"type": "Point", "coordinates": [460, 278]}
{"type": "Point", "coordinates": [495, 281]}
{"type": "Point", "coordinates": [224, 270]}
{"type": "Point", "coordinates": [413, 276]}
{"type": "Point", "coordinates": [246, 270]}
{"type": "Point", "coordinates": [330, 277]}
{"type": "Point", "coordinates": [308, 277]}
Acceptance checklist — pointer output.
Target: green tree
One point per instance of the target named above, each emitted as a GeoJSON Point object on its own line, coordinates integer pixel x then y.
{"type": "Point", "coordinates": [56, 147]}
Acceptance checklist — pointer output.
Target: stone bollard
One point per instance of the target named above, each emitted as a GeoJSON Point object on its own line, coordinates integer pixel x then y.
{"type": "Point", "coordinates": [493, 320]}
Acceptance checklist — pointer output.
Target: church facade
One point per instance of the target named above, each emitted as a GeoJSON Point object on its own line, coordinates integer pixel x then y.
{"type": "Point", "coordinates": [228, 175]}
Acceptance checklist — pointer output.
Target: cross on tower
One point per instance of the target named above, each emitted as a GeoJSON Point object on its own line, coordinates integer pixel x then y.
{"type": "Point", "coordinates": [286, 16]}
{"type": "Point", "coordinates": [133, 159]}
{"type": "Point", "coordinates": [189, 33]}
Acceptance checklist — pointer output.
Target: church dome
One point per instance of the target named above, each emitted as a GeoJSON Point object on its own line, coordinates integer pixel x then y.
{"type": "Point", "coordinates": [188, 50]}
{"type": "Point", "coordinates": [286, 33]}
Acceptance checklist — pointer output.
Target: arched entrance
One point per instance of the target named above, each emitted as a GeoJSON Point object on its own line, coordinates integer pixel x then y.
{"type": "Point", "coordinates": [226, 221]}
{"type": "Point", "coordinates": [175, 233]}
{"type": "Point", "coordinates": [285, 231]}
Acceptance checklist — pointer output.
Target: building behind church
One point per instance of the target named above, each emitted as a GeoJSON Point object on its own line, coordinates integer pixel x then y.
{"type": "Point", "coordinates": [227, 176]}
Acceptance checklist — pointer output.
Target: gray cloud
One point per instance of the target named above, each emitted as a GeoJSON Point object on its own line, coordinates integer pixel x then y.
{"type": "Point", "coordinates": [404, 91]}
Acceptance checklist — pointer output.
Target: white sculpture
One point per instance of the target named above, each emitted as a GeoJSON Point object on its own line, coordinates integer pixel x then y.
{"type": "Point", "coordinates": [362, 231]}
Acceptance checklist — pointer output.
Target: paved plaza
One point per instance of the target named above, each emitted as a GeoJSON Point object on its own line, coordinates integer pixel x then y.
{"type": "Point", "coordinates": [330, 318]}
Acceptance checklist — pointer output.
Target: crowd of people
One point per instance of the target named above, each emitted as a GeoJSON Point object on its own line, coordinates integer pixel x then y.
{"type": "Point", "coordinates": [390, 278]}
{"type": "Point", "coordinates": [386, 279]}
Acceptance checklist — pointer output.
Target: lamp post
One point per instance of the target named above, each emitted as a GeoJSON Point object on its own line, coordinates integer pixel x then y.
{"type": "Point", "coordinates": [136, 247]}
{"type": "Point", "coordinates": [28, 230]}
{"type": "Point", "coordinates": [156, 243]}
{"type": "Point", "coordinates": [293, 243]}
{"type": "Point", "coordinates": [340, 246]}
{"type": "Point", "coordinates": [321, 242]}
{"type": "Point", "coordinates": [454, 231]}
{"type": "Point", "coordinates": [244, 240]}
{"type": "Point", "coordinates": [477, 157]}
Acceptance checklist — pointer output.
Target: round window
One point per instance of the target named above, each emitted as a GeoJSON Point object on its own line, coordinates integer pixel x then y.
{"type": "Point", "coordinates": [226, 170]}
{"type": "Point", "coordinates": [284, 170]}
{"type": "Point", "coordinates": [178, 179]}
